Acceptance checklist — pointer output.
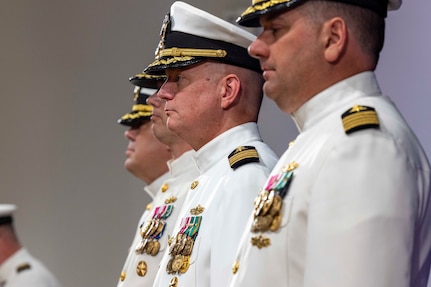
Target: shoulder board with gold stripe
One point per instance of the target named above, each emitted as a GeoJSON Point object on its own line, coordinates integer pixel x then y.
{"type": "Point", "coordinates": [243, 155]}
{"type": "Point", "coordinates": [359, 118]}
{"type": "Point", "coordinates": [23, 267]}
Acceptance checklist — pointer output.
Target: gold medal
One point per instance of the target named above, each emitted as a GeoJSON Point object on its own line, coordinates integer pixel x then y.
{"type": "Point", "coordinates": [140, 248]}
{"type": "Point", "coordinates": [170, 239]}
{"type": "Point", "coordinates": [267, 203]}
{"type": "Point", "coordinates": [258, 199]}
{"type": "Point", "coordinates": [156, 248]}
{"type": "Point", "coordinates": [182, 244]}
{"type": "Point", "coordinates": [254, 226]}
{"type": "Point", "coordinates": [176, 247]}
{"type": "Point", "coordinates": [154, 228]}
{"type": "Point", "coordinates": [149, 247]}
{"type": "Point", "coordinates": [267, 221]}
{"type": "Point", "coordinates": [169, 266]}
{"type": "Point", "coordinates": [143, 230]}
{"type": "Point", "coordinates": [275, 224]}
{"type": "Point", "coordinates": [276, 205]}
{"type": "Point", "coordinates": [159, 228]}
{"type": "Point", "coordinates": [257, 203]}
{"type": "Point", "coordinates": [176, 244]}
{"type": "Point", "coordinates": [262, 223]}
{"type": "Point", "coordinates": [264, 195]}
{"type": "Point", "coordinates": [188, 246]}
{"type": "Point", "coordinates": [185, 265]}
{"type": "Point", "coordinates": [177, 263]}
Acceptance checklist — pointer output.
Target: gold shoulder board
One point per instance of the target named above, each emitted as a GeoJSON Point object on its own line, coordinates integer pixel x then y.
{"type": "Point", "coordinates": [359, 118]}
{"type": "Point", "coordinates": [243, 155]}
{"type": "Point", "coordinates": [22, 267]}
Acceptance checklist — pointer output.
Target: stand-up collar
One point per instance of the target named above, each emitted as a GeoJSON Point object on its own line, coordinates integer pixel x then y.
{"type": "Point", "coordinates": [331, 99]}
{"type": "Point", "coordinates": [222, 145]}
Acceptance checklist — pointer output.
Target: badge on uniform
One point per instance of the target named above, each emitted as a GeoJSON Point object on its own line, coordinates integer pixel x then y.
{"type": "Point", "coordinates": [153, 230]}
{"type": "Point", "coordinates": [269, 202]}
{"type": "Point", "coordinates": [181, 249]}
{"type": "Point", "coordinates": [23, 267]}
{"type": "Point", "coordinates": [359, 118]}
{"type": "Point", "coordinates": [243, 155]}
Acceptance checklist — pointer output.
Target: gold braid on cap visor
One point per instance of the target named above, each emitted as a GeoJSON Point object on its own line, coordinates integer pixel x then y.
{"type": "Point", "coordinates": [142, 108]}
{"type": "Point", "coordinates": [259, 7]}
{"type": "Point", "coordinates": [185, 54]}
{"type": "Point", "coordinates": [141, 76]}
{"type": "Point", "coordinates": [138, 111]}
{"type": "Point", "coordinates": [135, 116]}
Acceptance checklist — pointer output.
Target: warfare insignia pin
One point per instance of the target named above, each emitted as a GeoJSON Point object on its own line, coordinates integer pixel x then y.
{"type": "Point", "coordinates": [197, 210]}
{"type": "Point", "coordinates": [170, 200]}
{"type": "Point", "coordinates": [260, 241]}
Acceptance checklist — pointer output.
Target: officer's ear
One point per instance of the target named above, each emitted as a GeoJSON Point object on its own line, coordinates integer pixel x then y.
{"type": "Point", "coordinates": [230, 89]}
{"type": "Point", "coordinates": [335, 37]}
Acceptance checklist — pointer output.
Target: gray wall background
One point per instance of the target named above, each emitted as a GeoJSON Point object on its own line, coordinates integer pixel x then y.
{"type": "Point", "coordinates": [64, 68]}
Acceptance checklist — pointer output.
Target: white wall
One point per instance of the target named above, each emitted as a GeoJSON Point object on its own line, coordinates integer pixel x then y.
{"type": "Point", "coordinates": [64, 67]}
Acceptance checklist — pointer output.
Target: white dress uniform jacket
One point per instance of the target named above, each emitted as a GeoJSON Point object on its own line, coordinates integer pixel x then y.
{"type": "Point", "coordinates": [222, 197]}
{"type": "Point", "coordinates": [140, 267]}
{"type": "Point", "coordinates": [357, 211]}
{"type": "Point", "coordinates": [22, 269]}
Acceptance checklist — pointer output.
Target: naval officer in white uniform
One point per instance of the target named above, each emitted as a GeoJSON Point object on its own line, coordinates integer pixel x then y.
{"type": "Point", "coordinates": [213, 94]}
{"type": "Point", "coordinates": [156, 223]}
{"type": "Point", "coordinates": [348, 204]}
{"type": "Point", "coordinates": [18, 268]}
